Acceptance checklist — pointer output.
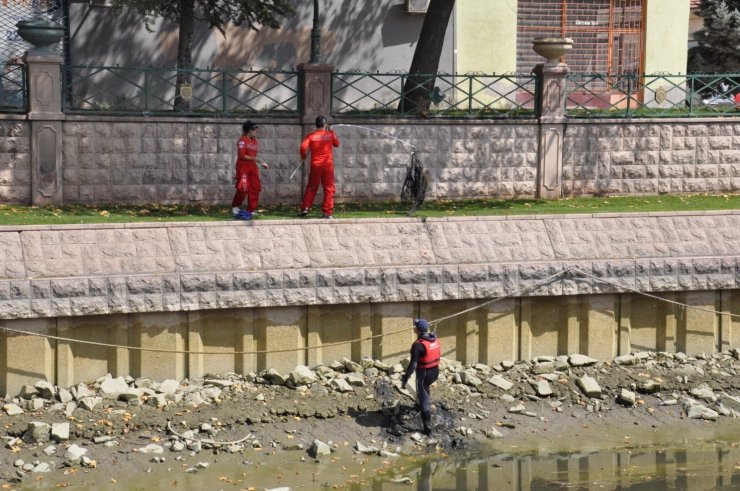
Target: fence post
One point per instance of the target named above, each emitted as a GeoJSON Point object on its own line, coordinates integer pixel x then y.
{"type": "Point", "coordinates": [46, 116]}
{"type": "Point", "coordinates": [315, 87]}
{"type": "Point", "coordinates": [551, 103]}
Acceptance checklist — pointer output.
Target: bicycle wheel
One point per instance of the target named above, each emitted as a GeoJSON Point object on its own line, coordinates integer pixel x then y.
{"type": "Point", "coordinates": [407, 191]}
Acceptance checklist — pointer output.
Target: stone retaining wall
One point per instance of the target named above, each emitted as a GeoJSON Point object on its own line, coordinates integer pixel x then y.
{"type": "Point", "coordinates": [265, 287]}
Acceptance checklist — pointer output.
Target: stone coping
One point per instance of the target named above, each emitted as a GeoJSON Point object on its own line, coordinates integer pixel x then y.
{"type": "Point", "coordinates": [304, 221]}
{"type": "Point", "coordinates": [68, 270]}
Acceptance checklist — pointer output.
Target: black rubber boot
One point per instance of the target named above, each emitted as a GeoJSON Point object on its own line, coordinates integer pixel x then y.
{"type": "Point", "coordinates": [426, 418]}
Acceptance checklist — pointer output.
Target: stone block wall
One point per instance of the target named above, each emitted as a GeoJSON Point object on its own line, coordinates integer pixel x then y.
{"type": "Point", "coordinates": [651, 157]}
{"type": "Point", "coordinates": [189, 161]}
{"type": "Point", "coordinates": [186, 161]}
{"type": "Point", "coordinates": [15, 158]}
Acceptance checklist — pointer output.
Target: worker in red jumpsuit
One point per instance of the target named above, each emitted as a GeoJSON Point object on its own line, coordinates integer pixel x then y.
{"type": "Point", "coordinates": [321, 143]}
{"type": "Point", "coordinates": [248, 183]}
{"type": "Point", "coordinates": [425, 355]}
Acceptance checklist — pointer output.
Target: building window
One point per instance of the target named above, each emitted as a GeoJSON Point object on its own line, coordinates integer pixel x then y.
{"type": "Point", "coordinates": [608, 35]}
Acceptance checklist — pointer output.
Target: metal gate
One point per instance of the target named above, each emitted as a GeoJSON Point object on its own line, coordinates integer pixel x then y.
{"type": "Point", "coordinates": [608, 35]}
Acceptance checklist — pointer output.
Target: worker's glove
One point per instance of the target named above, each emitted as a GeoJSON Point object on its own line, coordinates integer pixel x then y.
{"type": "Point", "coordinates": [404, 381]}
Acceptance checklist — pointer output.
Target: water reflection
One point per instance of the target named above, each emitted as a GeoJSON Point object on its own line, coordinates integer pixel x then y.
{"type": "Point", "coordinates": [696, 467]}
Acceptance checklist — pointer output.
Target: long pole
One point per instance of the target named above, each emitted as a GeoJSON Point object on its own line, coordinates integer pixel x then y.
{"type": "Point", "coordinates": [316, 35]}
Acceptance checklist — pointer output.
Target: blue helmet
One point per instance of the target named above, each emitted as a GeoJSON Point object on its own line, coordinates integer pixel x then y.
{"type": "Point", "coordinates": [421, 324]}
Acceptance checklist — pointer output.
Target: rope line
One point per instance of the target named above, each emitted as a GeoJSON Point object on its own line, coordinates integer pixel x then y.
{"type": "Point", "coordinates": [262, 352]}
{"type": "Point", "coordinates": [656, 297]}
{"type": "Point", "coordinates": [432, 323]}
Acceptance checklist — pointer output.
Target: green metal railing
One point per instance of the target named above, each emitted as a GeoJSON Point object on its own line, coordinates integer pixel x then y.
{"type": "Point", "coordinates": [652, 96]}
{"type": "Point", "coordinates": [477, 96]}
{"type": "Point", "coordinates": [172, 91]}
{"type": "Point", "coordinates": [13, 91]}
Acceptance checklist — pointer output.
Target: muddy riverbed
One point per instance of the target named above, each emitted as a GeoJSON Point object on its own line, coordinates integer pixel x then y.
{"type": "Point", "coordinates": [346, 423]}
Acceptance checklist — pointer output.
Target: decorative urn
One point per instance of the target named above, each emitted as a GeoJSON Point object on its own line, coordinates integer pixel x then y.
{"type": "Point", "coordinates": [42, 34]}
{"type": "Point", "coordinates": [552, 48]}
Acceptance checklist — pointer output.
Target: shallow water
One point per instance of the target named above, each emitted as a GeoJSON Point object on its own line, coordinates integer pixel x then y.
{"type": "Point", "coordinates": [681, 458]}
{"type": "Point", "coordinates": [705, 466]}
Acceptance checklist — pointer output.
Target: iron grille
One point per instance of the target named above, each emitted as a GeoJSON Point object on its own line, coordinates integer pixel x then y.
{"type": "Point", "coordinates": [607, 35]}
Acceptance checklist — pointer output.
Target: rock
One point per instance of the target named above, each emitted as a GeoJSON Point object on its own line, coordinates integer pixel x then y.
{"type": "Point", "coordinates": [13, 409]}
{"type": "Point", "coordinates": [397, 368]}
{"type": "Point", "coordinates": [579, 360]}
{"type": "Point", "coordinates": [64, 396]}
{"type": "Point", "coordinates": [589, 386]}
{"type": "Point", "coordinates": [36, 403]}
{"type": "Point", "coordinates": [649, 387]}
{"type": "Point", "coordinates": [545, 367]}
{"type": "Point", "coordinates": [493, 433]}
{"type": "Point", "coordinates": [340, 385]}
{"type": "Point", "coordinates": [371, 372]}
{"type": "Point", "coordinates": [28, 392]}
{"type": "Point", "coordinates": [669, 402]}
{"type": "Point", "coordinates": [178, 446]}
{"type": "Point", "coordinates": [381, 366]}
{"type": "Point", "coordinates": [417, 437]}
{"type": "Point", "coordinates": [194, 399]}
{"type": "Point", "coordinates": [470, 379]}
{"type": "Point", "coordinates": [60, 432]}
{"type": "Point", "coordinates": [519, 408]}
{"type": "Point", "coordinates": [157, 400]}
{"type": "Point", "coordinates": [89, 403]}
{"type": "Point", "coordinates": [626, 397]}
{"type": "Point", "coordinates": [130, 395]}
{"type": "Point", "coordinates": [102, 439]}
{"type": "Point", "coordinates": [507, 364]}
{"type": "Point", "coordinates": [544, 359]}
{"type": "Point", "coordinates": [74, 453]}
{"type": "Point", "coordinates": [168, 387]}
{"type": "Point", "coordinates": [69, 408]}
{"type": "Point", "coordinates": [500, 382]}
{"type": "Point", "coordinates": [220, 383]}
{"type": "Point", "coordinates": [289, 447]}
{"type": "Point", "coordinates": [507, 398]}
{"type": "Point", "coordinates": [351, 366]}
{"type": "Point", "coordinates": [50, 450]}
{"type": "Point", "coordinates": [42, 467]}
{"type": "Point", "coordinates": [302, 375]}
{"type": "Point", "coordinates": [367, 450]}
{"type": "Point", "coordinates": [37, 432]}
{"type": "Point", "coordinates": [211, 393]}
{"type": "Point", "coordinates": [699, 411]}
{"type": "Point", "coordinates": [113, 386]}
{"type": "Point", "coordinates": [273, 377]}
{"type": "Point", "coordinates": [355, 379]}
{"type": "Point", "coordinates": [704, 392]}
{"type": "Point", "coordinates": [152, 448]}
{"type": "Point", "coordinates": [543, 388]}
{"type": "Point", "coordinates": [318, 449]}
{"type": "Point", "coordinates": [82, 391]}
{"type": "Point", "coordinates": [367, 362]}
{"type": "Point", "coordinates": [88, 462]}
{"type": "Point", "coordinates": [625, 360]}
{"type": "Point", "coordinates": [143, 383]}
{"type": "Point", "coordinates": [46, 389]}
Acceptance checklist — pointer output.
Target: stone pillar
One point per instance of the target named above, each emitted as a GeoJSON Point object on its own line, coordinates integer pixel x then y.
{"type": "Point", "coordinates": [45, 113]}
{"type": "Point", "coordinates": [551, 110]}
{"type": "Point", "coordinates": [316, 89]}
{"type": "Point", "coordinates": [551, 98]}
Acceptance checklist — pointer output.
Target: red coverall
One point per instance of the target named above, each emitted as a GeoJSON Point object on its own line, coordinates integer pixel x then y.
{"type": "Point", "coordinates": [247, 174]}
{"type": "Point", "coordinates": [320, 142]}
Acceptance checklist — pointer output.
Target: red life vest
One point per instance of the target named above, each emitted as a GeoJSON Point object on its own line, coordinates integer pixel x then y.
{"type": "Point", "coordinates": [432, 355]}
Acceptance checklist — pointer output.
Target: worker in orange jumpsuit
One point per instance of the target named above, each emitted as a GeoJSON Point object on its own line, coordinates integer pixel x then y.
{"type": "Point", "coordinates": [248, 183]}
{"type": "Point", "coordinates": [321, 143]}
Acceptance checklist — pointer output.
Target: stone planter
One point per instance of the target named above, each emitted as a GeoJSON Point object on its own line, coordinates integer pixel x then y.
{"type": "Point", "coordinates": [42, 34]}
{"type": "Point", "coordinates": [552, 48]}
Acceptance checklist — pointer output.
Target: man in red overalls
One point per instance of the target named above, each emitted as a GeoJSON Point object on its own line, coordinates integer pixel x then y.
{"type": "Point", "coordinates": [425, 354]}
{"type": "Point", "coordinates": [321, 143]}
{"type": "Point", "coordinates": [247, 173]}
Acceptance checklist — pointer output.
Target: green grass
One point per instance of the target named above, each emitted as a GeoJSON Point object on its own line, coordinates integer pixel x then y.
{"type": "Point", "coordinates": [33, 215]}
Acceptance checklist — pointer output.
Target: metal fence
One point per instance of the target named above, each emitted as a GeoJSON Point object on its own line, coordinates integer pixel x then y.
{"type": "Point", "coordinates": [362, 94]}
{"type": "Point", "coordinates": [13, 88]}
{"type": "Point", "coordinates": [652, 96]}
{"type": "Point", "coordinates": [187, 92]}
